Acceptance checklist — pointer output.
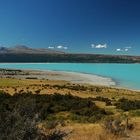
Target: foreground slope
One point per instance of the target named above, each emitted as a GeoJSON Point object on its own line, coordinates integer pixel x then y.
{"type": "Point", "coordinates": [33, 108]}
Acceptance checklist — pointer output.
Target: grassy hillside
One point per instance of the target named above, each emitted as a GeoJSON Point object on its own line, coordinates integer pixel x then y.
{"type": "Point", "coordinates": [49, 117]}
{"type": "Point", "coordinates": [53, 110]}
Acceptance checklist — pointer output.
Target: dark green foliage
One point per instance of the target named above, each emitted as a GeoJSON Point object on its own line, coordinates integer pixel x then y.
{"type": "Point", "coordinates": [127, 105]}
{"type": "Point", "coordinates": [74, 87]}
{"type": "Point", "coordinates": [59, 103]}
{"type": "Point", "coordinates": [56, 135]}
{"type": "Point", "coordinates": [51, 124]}
{"type": "Point", "coordinates": [31, 77]}
{"type": "Point", "coordinates": [135, 113]}
{"type": "Point", "coordinates": [20, 114]}
{"type": "Point", "coordinates": [19, 119]}
{"type": "Point", "coordinates": [47, 105]}
{"type": "Point", "coordinates": [98, 89]}
{"type": "Point", "coordinates": [71, 58]}
{"type": "Point", "coordinates": [20, 123]}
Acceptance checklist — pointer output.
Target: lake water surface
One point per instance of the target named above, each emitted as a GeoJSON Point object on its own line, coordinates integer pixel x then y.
{"type": "Point", "coordinates": [125, 75]}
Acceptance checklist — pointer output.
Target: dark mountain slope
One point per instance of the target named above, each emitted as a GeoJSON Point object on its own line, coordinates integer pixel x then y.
{"type": "Point", "coordinates": [21, 49]}
{"type": "Point", "coordinates": [21, 53]}
{"type": "Point", "coordinates": [67, 58]}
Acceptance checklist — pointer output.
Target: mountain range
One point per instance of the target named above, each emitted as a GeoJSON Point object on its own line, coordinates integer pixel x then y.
{"type": "Point", "coordinates": [21, 53]}
{"type": "Point", "coordinates": [22, 49]}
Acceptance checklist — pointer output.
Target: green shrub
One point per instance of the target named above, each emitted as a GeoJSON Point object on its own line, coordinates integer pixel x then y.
{"type": "Point", "coordinates": [135, 113]}
{"type": "Point", "coordinates": [22, 119]}
{"type": "Point", "coordinates": [127, 105]}
{"type": "Point", "coordinates": [52, 104]}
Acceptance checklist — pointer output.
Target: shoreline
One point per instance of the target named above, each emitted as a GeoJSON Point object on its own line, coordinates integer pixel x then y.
{"type": "Point", "coordinates": [70, 76]}
{"type": "Point", "coordinates": [74, 77]}
{"type": "Point", "coordinates": [97, 80]}
{"type": "Point", "coordinates": [114, 78]}
{"type": "Point", "coordinates": [64, 63]}
{"type": "Point", "coordinates": [86, 78]}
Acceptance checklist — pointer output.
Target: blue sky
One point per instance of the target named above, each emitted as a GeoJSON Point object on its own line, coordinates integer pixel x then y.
{"type": "Point", "coordinates": [85, 26]}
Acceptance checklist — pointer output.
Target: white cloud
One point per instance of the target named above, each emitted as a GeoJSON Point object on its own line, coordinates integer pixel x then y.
{"type": "Point", "coordinates": [59, 47]}
{"type": "Point", "coordinates": [50, 47]}
{"type": "Point", "coordinates": [119, 50]}
{"type": "Point", "coordinates": [126, 50]}
{"type": "Point", "coordinates": [99, 46]}
{"type": "Point", "coordinates": [62, 47]}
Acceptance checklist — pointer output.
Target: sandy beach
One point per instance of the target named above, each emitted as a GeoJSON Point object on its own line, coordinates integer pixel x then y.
{"type": "Point", "coordinates": [73, 77]}
{"type": "Point", "coordinates": [85, 78]}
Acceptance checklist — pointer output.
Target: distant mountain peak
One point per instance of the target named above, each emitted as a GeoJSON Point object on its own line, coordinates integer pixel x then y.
{"type": "Point", "coordinates": [22, 49]}
{"type": "Point", "coordinates": [3, 49]}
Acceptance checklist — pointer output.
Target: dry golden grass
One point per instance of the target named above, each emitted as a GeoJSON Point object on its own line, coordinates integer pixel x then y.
{"type": "Point", "coordinates": [80, 131]}
{"type": "Point", "coordinates": [136, 132]}
{"type": "Point", "coordinates": [88, 132]}
{"type": "Point", "coordinates": [97, 132]}
{"type": "Point", "coordinates": [9, 85]}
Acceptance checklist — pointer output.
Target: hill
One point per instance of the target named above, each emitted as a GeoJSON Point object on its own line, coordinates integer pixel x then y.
{"type": "Point", "coordinates": [22, 49]}
{"type": "Point", "coordinates": [22, 53]}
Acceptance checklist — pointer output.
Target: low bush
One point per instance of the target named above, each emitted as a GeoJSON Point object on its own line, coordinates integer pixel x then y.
{"type": "Point", "coordinates": [118, 126]}
{"type": "Point", "coordinates": [135, 113]}
{"type": "Point", "coordinates": [53, 104]}
{"type": "Point", "coordinates": [21, 123]}
{"type": "Point", "coordinates": [127, 105]}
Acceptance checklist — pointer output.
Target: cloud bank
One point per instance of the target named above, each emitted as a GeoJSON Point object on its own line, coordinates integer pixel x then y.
{"type": "Point", "coordinates": [125, 49]}
{"type": "Point", "coordinates": [58, 47]}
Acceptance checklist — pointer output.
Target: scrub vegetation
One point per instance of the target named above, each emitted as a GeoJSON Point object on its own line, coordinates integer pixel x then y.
{"type": "Point", "coordinates": [42, 109]}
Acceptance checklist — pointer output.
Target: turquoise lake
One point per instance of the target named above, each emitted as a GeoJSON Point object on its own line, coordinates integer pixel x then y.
{"type": "Point", "coordinates": [125, 75]}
